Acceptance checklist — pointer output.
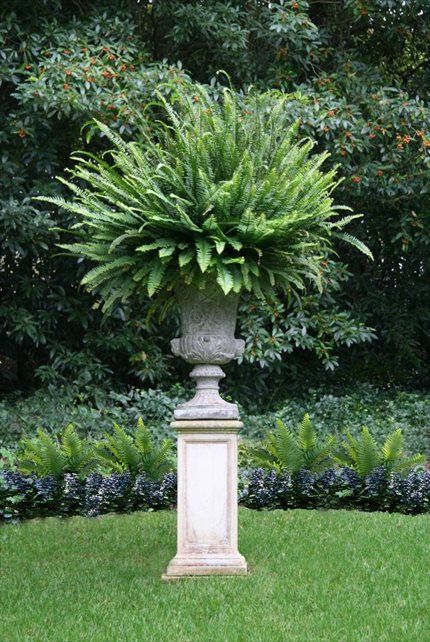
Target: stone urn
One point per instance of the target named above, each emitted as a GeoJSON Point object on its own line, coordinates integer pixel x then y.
{"type": "Point", "coordinates": [208, 321]}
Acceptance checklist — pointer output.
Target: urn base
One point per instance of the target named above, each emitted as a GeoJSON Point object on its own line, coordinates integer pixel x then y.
{"type": "Point", "coordinates": [206, 403]}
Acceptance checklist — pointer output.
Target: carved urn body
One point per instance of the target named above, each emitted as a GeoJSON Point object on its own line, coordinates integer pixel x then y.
{"type": "Point", "coordinates": [208, 321]}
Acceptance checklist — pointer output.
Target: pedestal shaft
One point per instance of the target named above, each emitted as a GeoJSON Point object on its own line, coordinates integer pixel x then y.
{"type": "Point", "coordinates": [207, 500]}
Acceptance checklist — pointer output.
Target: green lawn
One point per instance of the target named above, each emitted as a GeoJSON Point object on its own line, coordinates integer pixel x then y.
{"type": "Point", "coordinates": [332, 576]}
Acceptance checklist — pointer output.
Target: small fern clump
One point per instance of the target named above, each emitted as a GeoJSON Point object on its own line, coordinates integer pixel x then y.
{"type": "Point", "coordinates": [134, 453]}
{"type": "Point", "coordinates": [363, 454]}
{"type": "Point", "coordinates": [223, 193]}
{"type": "Point", "coordinates": [283, 450]}
{"type": "Point", "coordinates": [47, 456]}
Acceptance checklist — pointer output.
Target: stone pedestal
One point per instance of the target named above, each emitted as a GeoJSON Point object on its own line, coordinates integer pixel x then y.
{"type": "Point", "coordinates": [207, 500]}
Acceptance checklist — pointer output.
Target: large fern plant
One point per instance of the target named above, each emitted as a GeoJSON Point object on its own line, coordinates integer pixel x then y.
{"type": "Point", "coordinates": [363, 454]}
{"type": "Point", "coordinates": [46, 455]}
{"type": "Point", "coordinates": [221, 193]}
{"type": "Point", "coordinates": [135, 453]}
{"type": "Point", "coordinates": [283, 450]}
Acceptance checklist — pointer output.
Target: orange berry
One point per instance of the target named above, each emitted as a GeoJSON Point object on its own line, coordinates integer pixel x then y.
{"type": "Point", "coordinates": [22, 133]}
{"type": "Point", "coordinates": [66, 86]}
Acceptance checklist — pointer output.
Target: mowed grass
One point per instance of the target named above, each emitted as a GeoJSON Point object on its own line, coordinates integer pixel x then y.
{"type": "Point", "coordinates": [332, 576]}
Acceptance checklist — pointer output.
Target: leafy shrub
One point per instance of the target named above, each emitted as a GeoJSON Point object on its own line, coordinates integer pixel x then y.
{"type": "Point", "coordinates": [7, 459]}
{"type": "Point", "coordinates": [134, 453]}
{"type": "Point", "coordinates": [92, 413]}
{"type": "Point", "coordinates": [333, 410]}
{"type": "Point", "coordinates": [339, 409]}
{"type": "Point", "coordinates": [283, 450]}
{"type": "Point", "coordinates": [47, 456]}
{"type": "Point", "coordinates": [363, 455]}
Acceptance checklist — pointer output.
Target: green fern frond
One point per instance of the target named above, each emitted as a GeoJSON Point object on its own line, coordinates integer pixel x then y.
{"type": "Point", "coordinates": [212, 191]}
{"type": "Point", "coordinates": [348, 238]}
{"type": "Point", "coordinates": [307, 435]}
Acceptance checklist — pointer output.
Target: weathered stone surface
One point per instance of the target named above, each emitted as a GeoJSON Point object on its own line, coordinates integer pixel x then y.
{"type": "Point", "coordinates": [207, 440]}
{"type": "Point", "coordinates": [208, 320]}
{"type": "Point", "coordinates": [207, 500]}
{"type": "Point", "coordinates": [207, 403]}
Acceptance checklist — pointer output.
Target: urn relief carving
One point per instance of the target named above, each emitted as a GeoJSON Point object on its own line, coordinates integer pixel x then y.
{"type": "Point", "coordinates": [208, 321]}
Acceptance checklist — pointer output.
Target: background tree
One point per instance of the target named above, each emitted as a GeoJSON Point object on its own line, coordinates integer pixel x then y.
{"type": "Point", "coordinates": [363, 67]}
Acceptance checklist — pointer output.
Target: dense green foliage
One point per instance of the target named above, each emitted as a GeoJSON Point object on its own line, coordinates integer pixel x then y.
{"type": "Point", "coordinates": [136, 453]}
{"type": "Point", "coordinates": [332, 411]}
{"type": "Point", "coordinates": [363, 68]}
{"type": "Point", "coordinates": [363, 455]}
{"type": "Point", "coordinates": [356, 575]}
{"type": "Point", "coordinates": [221, 195]}
{"type": "Point", "coordinates": [283, 450]}
{"type": "Point", "coordinates": [43, 456]}
{"type": "Point", "coordinates": [66, 452]}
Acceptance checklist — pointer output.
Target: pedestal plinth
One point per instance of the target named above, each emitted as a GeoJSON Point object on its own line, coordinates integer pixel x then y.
{"type": "Point", "coordinates": [207, 500]}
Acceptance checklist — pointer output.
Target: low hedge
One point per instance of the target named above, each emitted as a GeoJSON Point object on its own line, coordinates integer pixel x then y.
{"type": "Point", "coordinates": [28, 496]}
{"type": "Point", "coordinates": [24, 497]}
{"type": "Point", "coordinates": [338, 488]}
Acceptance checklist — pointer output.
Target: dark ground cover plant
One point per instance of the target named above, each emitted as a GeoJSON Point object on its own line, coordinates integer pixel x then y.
{"type": "Point", "coordinates": [29, 496]}
{"type": "Point", "coordinates": [338, 488]}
